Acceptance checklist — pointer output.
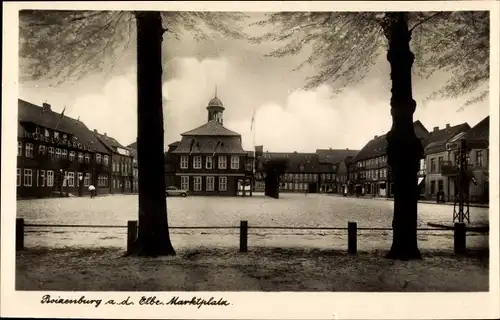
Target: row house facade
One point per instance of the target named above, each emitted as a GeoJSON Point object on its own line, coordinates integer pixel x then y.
{"type": "Point", "coordinates": [56, 155]}
{"type": "Point", "coordinates": [121, 163]}
{"type": "Point", "coordinates": [135, 169]}
{"type": "Point", "coordinates": [301, 174]}
{"type": "Point", "coordinates": [477, 140]}
{"type": "Point", "coordinates": [437, 154]}
{"type": "Point", "coordinates": [370, 173]}
{"type": "Point", "coordinates": [331, 179]}
{"type": "Point", "coordinates": [210, 160]}
{"type": "Point", "coordinates": [344, 175]}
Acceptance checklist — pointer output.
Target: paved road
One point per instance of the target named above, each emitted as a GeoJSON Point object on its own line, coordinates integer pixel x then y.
{"type": "Point", "coordinates": [291, 210]}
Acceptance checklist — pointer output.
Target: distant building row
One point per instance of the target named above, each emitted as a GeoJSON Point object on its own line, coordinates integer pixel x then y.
{"type": "Point", "coordinates": [366, 171]}
{"type": "Point", "coordinates": [58, 155]}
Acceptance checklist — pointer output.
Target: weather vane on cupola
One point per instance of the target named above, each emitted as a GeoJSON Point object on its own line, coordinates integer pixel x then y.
{"type": "Point", "coordinates": [215, 109]}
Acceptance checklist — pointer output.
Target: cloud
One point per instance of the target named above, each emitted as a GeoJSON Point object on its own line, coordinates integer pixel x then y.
{"type": "Point", "coordinates": [188, 93]}
{"type": "Point", "coordinates": [310, 120]}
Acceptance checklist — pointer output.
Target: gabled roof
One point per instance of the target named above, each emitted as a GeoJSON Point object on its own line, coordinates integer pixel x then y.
{"type": "Point", "coordinates": [29, 112]}
{"type": "Point", "coordinates": [295, 160]}
{"type": "Point", "coordinates": [110, 142]}
{"type": "Point", "coordinates": [378, 145]}
{"type": "Point", "coordinates": [437, 139]}
{"type": "Point", "coordinates": [209, 145]}
{"type": "Point", "coordinates": [480, 131]}
{"type": "Point", "coordinates": [334, 155]}
{"type": "Point", "coordinates": [133, 145]}
{"type": "Point", "coordinates": [211, 128]}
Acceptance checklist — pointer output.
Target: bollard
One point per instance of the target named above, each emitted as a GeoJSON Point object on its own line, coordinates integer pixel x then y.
{"type": "Point", "coordinates": [459, 236]}
{"type": "Point", "coordinates": [352, 244]}
{"type": "Point", "coordinates": [131, 234]}
{"type": "Point", "coordinates": [20, 234]}
{"type": "Point", "coordinates": [243, 236]}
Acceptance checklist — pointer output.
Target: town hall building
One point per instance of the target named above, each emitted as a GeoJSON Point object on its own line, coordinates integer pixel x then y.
{"type": "Point", "coordinates": [210, 160]}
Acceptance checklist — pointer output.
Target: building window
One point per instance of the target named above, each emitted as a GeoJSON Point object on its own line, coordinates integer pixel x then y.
{"type": "Point", "coordinates": [433, 165]}
{"type": "Point", "coordinates": [185, 182]}
{"type": "Point", "coordinates": [210, 183]}
{"type": "Point", "coordinates": [28, 177]}
{"type": "Point", "coordinates": [197, 162]}
{"type": "Point", "coordinates": [71, 155]}
{"type": "Point", "coordinates": [51, 152]}
{"type": "Point", "coordinates": [29, 150]}
{"type": "Point", "coordinates": [64, 154]}
{"type": "Point", "coordinates": [41, 149]}
{"type": "Point", "coordinates": [114, 167]}
{"type": "Point", "coordinates": [98, 158]}
{"type": "Point", "coordinates": [56, 135]}
{"type": "Point", "coordinates": [47, 133]}
{"type": "Point", "coordinates": [106, 160]}
{"type": "Point", "coordinates": [184, 162]}
{"type": "Point", "coordinates": [50, 178]}
{"type": "Point", "coordinates": [222, 183]}
{"type": "Point", "coordinates": [80, 157]}
{"type": "Point", "coordinates": [71, 179]}
{"type": "Point", "coordinates": [19, 148]}
{"type": "Point", "coordinates": [433, 187]}
{"type": "Point", "coordinates": [18, 181]}
{"type": "Point", "coordinates": [41, 178]}
{"type": "Point", "coordinates": [479, 158]}
{"type": "Point", "coordinates": [58, 153]}
{"type": "Point", "coordinates": [440, 162]}
{"type": "Point", "coordinates": [87, 158]}
{"type": "Point", "coordinates": [197, 183]}
{"type": "Point", "coordinates": [235, 162]}
{"type": "Point", "coordinates": [208, 162]}
{"type": "Point", "coordinates": [222, 162]}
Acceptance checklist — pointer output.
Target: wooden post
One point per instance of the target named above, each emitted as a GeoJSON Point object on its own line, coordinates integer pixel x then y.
{"type": "Point", "coordinates": [19, 234]}
{"type": "Point", "coordinates": [243, 236]}
{"type": "Point", "coordinates": [352, 244]}
{"type": "Point", "coordinates": [459, 237]}
{"type": "Point", "coordinates": [131, 234]}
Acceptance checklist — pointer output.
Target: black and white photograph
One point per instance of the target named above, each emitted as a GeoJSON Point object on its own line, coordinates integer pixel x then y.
{"type": "Point", "coordinates": [236, 159]}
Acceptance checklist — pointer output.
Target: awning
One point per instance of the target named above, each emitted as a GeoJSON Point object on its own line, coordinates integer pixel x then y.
{"type": "Point", "coordinates": [420, 179]}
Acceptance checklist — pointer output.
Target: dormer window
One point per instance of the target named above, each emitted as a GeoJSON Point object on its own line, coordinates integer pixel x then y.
{"type": "Point", "coordinates": [47, 133]}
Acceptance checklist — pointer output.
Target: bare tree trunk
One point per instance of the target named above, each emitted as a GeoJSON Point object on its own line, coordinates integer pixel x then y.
{"type": "Point", "coordinates": [153, 237]}
{"type": "Point", "coordinates": [404, 149]}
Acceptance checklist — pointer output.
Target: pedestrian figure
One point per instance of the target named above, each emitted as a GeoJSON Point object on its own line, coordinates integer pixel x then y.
{"type": "Point", "coordinates": [92, 191]}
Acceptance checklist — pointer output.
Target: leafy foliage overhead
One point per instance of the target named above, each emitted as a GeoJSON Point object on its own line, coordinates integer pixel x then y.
{"type": "Point", "coordinates": [71, 44]}
{"type": "Point", "coordinates": [343, 46]}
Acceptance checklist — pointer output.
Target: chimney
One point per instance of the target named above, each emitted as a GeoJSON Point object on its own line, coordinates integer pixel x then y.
{"type": "Point", "coordinates": [375, 137]}
{"type": "Point", "coordinates": [105, 134]}
{"type": "Point", "coordinates": [46, 107]}
{"type": "Point", "coordinates": [436, 129]}
{"type": "Point", "coordinates": [95, 131]}
{"type": "Point", "coordinates": [347, 148]}
{"type": "Point", "coordinates": [447, 125]}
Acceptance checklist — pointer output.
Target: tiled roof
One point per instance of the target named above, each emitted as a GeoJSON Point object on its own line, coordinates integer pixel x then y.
{"type": "Point", "coordinates": [480, 131]}
{"type": "Point", "coordinates": [133, 145]}
{"type": "Point", "coordinates": [334, 155]}
{"type": "Point", "coordinates": [110, 142]}
{"type": "Point", "coordinates": [211, 128]}
{"type": "Point", "coordinates": [32, 113]}
{"type": "Point", "coordinates": [310, 161]}
{"type": "Point", "coordinates": [437, 139]}
{"type": "Point", "coordinates": [207, 145]}
{"type": "Point", "coordinates": [377, 146]}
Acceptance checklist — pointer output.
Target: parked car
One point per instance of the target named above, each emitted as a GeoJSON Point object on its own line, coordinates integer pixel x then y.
{"type": "Point", "coordinates": [173, 191]}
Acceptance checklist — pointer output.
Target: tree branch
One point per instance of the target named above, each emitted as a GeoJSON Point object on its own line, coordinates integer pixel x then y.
{"type": "Point", "coordinates": [424, 20]}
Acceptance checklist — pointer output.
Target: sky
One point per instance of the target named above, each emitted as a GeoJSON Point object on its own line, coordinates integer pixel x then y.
{"type": "Point", "coordinates": [287, 117]}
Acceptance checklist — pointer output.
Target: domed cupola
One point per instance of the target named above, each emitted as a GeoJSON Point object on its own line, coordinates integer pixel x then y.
{"type": "Point", "coordinates": [215, 109]}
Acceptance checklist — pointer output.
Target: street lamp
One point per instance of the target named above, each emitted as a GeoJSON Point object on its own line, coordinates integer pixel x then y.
{"type": "Point", "coordinates": [80, 186]}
